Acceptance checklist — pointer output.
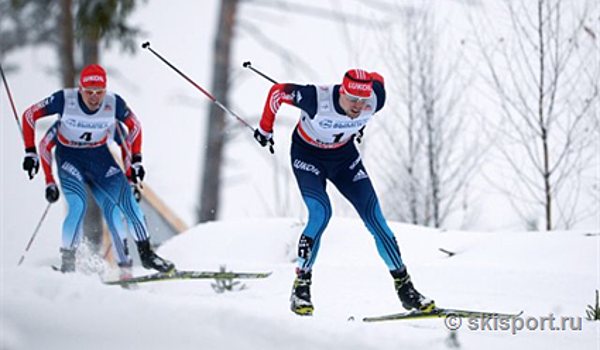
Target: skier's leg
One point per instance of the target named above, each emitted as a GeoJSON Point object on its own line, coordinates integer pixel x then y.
{"type": "Point", "coordinates": [114, 221]}
{"type": "Point", "coordinates": [73, 187]}
{"type": "Point", "coordinates": [356, 186]}
{"type": "Point", "coordinates": [311, 180]}
{"type": "Point", "coordinates": [116, 189]}
{"type": "Point", "coordinates": [312, 188]}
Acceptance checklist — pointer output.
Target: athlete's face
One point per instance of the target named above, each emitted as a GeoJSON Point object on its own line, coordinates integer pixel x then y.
{"type": "Point", "coordinates": [92, 97]}
{"type": "Point", "coordinates": [352, 106]}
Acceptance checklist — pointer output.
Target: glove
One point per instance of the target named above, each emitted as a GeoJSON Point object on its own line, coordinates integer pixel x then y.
{"type": "Point", "coordinates": [264, 138]}
{"type": "Point", "coordinates": [359, 135]}
{"type": "Point", "coordinates": [52, 193]}
{"type": "Point", "coordinates": [137, 169]}
{"type": "Point", "coordinates": [31, 163]}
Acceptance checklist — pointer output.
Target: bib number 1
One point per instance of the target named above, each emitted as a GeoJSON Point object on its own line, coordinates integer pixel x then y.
{"type": "Point", "coordinates": [337, 137]}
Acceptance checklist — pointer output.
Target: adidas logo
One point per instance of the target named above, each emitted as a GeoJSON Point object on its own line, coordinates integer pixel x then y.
{"type": "Point", "coordinates": [360, 175]}
{"type": "Point", "coordinates": [112, 171]}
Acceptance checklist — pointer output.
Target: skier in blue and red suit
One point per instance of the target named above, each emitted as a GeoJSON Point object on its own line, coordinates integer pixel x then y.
{"type": "Point", "coordinates": [114, 221]}
{"type": "Point", "coordinates": [86, 117]}
{"type": "Point", "coordinates": [331, 117]}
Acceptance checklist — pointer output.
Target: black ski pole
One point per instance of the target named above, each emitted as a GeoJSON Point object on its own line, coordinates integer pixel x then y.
{"type": "Point", "coordinates": [37, 228]}
{"type": "Point", "coordinates": [12, 103]}
{"type": "Point", "coordinates": [248, 65]}
{"type": "Point", "coordinates": [146, 45]}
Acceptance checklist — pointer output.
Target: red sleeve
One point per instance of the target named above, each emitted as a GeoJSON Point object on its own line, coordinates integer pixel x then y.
{"type": "Point", "coordinates": [278, 94]}
{"type": "Point", "coordinates": [46, 145]}
{"type": "Point", "coordinates": [30, 116]}
{"type": "Point", "coordinates": [125, 157]}
{"type": "Point", "coordinates": [134, 137]}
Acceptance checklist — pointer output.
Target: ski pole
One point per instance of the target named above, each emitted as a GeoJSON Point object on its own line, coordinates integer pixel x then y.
{"type": "Point", "coordinates": [248, 65]}
{"type": "Point", "coordinates": [37, 228]}
{"type": "Point", "coordinates": [12, 103]}
{"type": "Point", "coordinates": [146, 45]}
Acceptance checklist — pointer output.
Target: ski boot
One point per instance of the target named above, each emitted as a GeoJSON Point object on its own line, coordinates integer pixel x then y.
{"type": "Point", "coordinates": [68, 260]}
{"type": "Point", "coordinates": [410, 298]}
{"type": "Point", "coordinates": [300, 298]}
{"type": "Point", "coordinates": [150, 260]}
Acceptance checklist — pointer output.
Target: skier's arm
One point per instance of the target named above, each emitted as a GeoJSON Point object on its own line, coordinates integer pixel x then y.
{"type": "Point", "coordinates": [301, 96]}
{"type": "Point", "coordinates": [379, 90]}
{"type": "Point", "coordinates": [125, 148]}
{"type": "Point", "coordinates": [134, 134]}
{"type": "Point", "coordinates": [133, 141]}
{"type": "Point", "coordinates": [49, 106]}
{"type": "Point", "coordinates": [46, 144]}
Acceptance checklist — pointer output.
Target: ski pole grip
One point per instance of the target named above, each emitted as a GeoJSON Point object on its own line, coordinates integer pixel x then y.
{"type": "Point", "coordinates": [146, 45]}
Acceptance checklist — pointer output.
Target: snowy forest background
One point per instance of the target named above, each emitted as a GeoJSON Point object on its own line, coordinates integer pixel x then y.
{"type": "Point", "coordinates": [491, 121]}
{"type": "Point", "coordinates": [491, 124]}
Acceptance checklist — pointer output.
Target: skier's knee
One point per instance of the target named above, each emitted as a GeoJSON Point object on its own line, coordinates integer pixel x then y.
{"type": "Point", "coordinates": [319, 212]}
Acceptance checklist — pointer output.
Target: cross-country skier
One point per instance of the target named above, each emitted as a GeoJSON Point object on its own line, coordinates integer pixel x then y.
{"type": "Point", "coordinates": [114, 221]}
{"type": "Point", "coordinates": [86, 116]}
{"type": "Point", "coordinates": [323, 149]}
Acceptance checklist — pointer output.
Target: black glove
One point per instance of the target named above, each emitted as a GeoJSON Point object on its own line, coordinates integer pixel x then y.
{"type": "Point", "coordinates": [31, 162]}
{"type": "Point", "coordinates": [137, 169]}
{"type": "Point", "coordinates": [359, 135]}
{"type": "Point", "coordinates": [52, 193]}
{"type": "Point", "coordinates": [264, 138]}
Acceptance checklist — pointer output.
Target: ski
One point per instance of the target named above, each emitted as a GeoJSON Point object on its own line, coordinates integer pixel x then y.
{"type": "Point", "coordinates": [186, 275]}
{"type": "Point", "coordinates": [439, 313]}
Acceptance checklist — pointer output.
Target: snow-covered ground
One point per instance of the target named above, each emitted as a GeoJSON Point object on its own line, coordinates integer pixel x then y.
{"type": "Point", "coordinates": [540, 273]}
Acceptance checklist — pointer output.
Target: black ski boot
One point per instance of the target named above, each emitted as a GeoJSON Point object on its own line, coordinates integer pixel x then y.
{"type": "Point", "coordinates": [300, 298]}
{"type": "Point", "coordinates": [150, 260]}
{"type": "Point", "coordinates": [411, 299]}
{"type": "Point", "coordinates": [68, 260]}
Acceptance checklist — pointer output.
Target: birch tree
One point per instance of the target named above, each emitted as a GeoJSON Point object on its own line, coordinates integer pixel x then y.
{"type": "Point", "coordinates": [427, 155]}
{"type": "Point", "coordinates": [544, 73]}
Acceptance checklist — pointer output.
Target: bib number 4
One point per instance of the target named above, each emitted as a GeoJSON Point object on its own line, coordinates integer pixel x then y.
{"type": "Point", "coordinates": [86, 136]}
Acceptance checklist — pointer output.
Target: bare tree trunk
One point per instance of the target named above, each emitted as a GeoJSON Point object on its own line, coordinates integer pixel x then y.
{"type": "Point", "coordinates": [66, 53]}
{"type": "Point", "coordinates": [91, 51]}
{"type": "Point", "coordinates": [213, 156]}
{"type": "Point", "coordinates": [93, 223]}
{"type": "Point", "coordinates": [542, 120]}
